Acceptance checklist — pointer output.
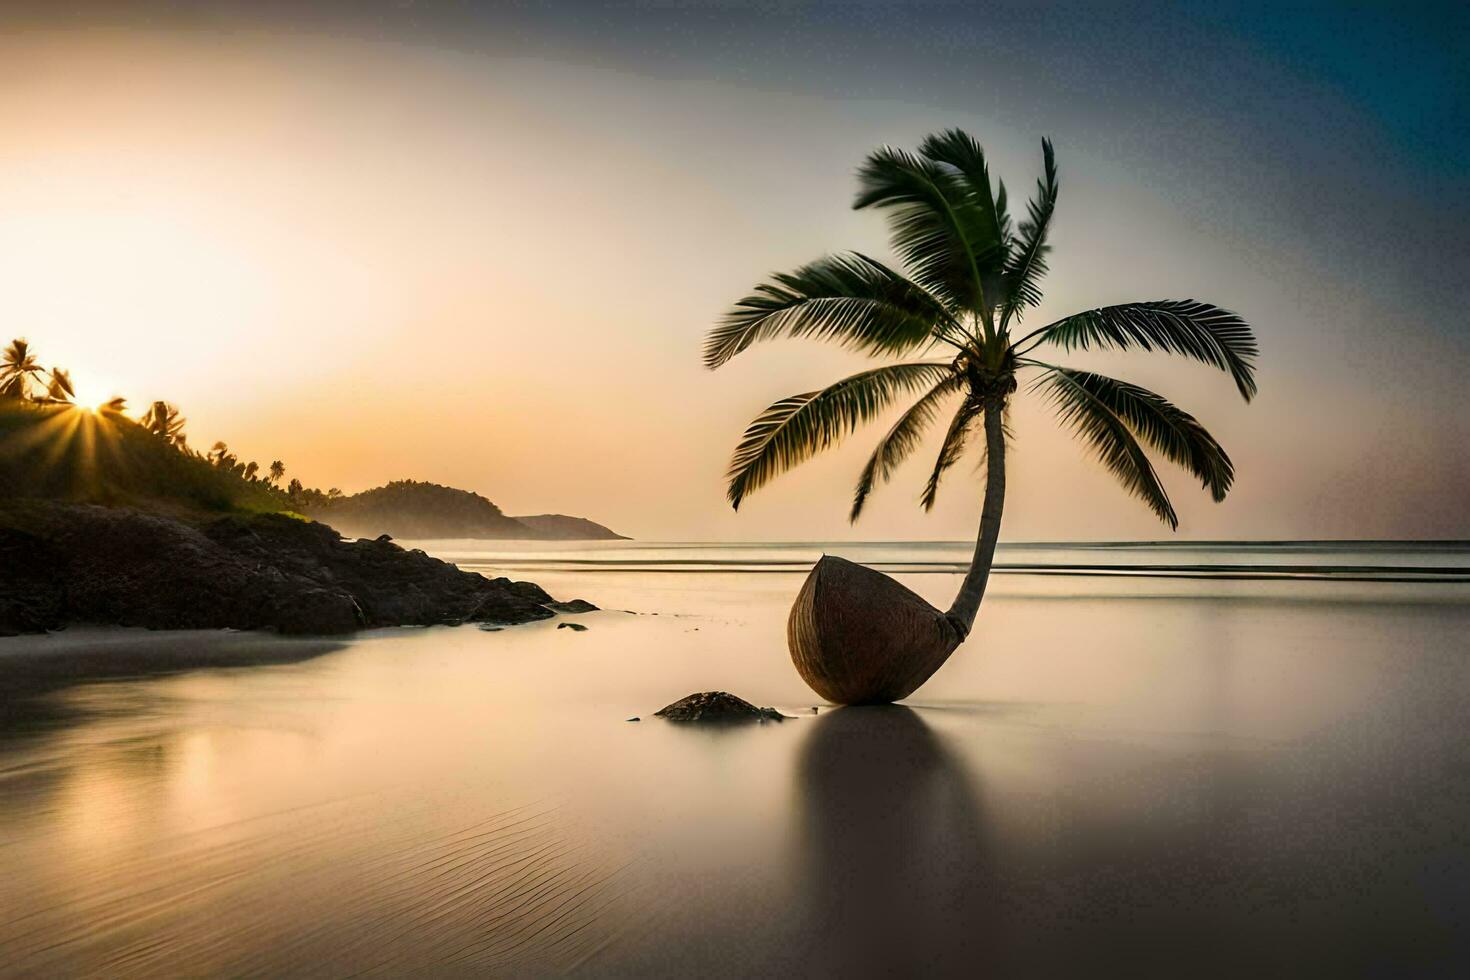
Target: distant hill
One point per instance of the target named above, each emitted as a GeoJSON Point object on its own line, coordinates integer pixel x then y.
{"type": "Point", "coordinates": [411, 509]}
{"type": "Point", "coordinates": [562, 527]}
{"type": "Point", "coordinates": [62, 453]}
{"type": "Point", "coordinates": [414, 509]}
{"type": "Point", "coordinates": [65, 454]}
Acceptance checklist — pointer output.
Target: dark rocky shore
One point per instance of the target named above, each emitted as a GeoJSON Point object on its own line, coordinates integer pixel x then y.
{"type": "Point", "coordinates": [63, 564]}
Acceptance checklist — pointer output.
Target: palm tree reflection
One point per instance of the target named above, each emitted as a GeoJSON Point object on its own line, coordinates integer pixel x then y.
{"type": "Point", "coordinates": [894, 847]}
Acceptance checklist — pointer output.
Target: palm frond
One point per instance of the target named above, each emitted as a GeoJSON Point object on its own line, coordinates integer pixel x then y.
{"type": "Point", "coordinates": [796, 428]}
{"type": "Point", "coordinates": [1198, 330]}
{"type": "Point", "coordinates": [1109, 437]}
{"type": "Point", "coordinates": [59, 388]}
{"type": "Point", "coordinates": [1026, 264]}
{"type": "Point", "coordinates": [1173, 432]}
{"type": "Point", "coordinates": [945, 239]}
{"type": "Point", "coordinates": [958, 149]}
{"type": "Point", "coordinates": [901, 440]}
{"type": "Point", "coordinates": [950, 450]}
{"type": "Point", "coordinates": [850, 298]}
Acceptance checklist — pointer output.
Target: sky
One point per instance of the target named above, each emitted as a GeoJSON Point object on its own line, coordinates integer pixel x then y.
{"type": "Point", "coordinates": [481, 245]}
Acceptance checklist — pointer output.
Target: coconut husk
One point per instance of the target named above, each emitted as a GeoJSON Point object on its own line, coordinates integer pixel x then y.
{"type": "Point", "coordinates": [859, 637]}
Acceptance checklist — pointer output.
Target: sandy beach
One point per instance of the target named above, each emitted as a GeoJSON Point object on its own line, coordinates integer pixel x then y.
{"type": "Point", "coordinates": [1209, 777]}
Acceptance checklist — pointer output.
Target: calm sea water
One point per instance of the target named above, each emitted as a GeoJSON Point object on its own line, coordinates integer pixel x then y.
{"type": "Point", "coordinates": [1173, 760]}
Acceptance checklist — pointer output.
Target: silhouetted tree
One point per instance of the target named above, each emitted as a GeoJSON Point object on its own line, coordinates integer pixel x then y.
{"type": "Point", "coordinates": [19, 370]}
{"type": "Point", "coordinates": [277, 470]}
{"type": "Point", "coordinates": [164, 421]}
{"type": "Point", "coordinates": [59, 389]}
{"type": "Point", "coordinates": [970, 279]}
{"type": "Point", "coordinates": [250, 470]}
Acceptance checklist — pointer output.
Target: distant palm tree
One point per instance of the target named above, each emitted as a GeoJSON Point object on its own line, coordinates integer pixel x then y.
{"type": "Point", "coordinates": [250, 470]}
{"type": "Point", "coordinates": [277, 470]}
{"type": "Point", "coordinates": [220, 455]}
{"type": "Point", "coordinates": [19, 369]}
{"type": "Point", "coordinates": [116, 405]}
{"type": "Point", "coordinates": [970, 279]}
{"type": "Point", "coordinates": [164, 421]}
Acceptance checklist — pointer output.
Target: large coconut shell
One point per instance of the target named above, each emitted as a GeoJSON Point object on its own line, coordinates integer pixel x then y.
{"type": "Point", "coordinates": [859, 637]}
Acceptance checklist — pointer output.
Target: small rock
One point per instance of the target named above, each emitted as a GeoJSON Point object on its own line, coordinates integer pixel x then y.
{"type": "Point", "coordinates": [635, 718]}
{"type": "Point", "coordinates": [383, 538]}
{"type": "Point", "coordinates": [572, 626]}
{"type": "Point", "coordinates": [716, 707]}
{"type": "Point", "coordinates": [572, 606]}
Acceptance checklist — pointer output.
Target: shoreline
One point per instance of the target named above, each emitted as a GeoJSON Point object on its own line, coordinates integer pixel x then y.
{"type": "Point", "coordinates": [35, 663]}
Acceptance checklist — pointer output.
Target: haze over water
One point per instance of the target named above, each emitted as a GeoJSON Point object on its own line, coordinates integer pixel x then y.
{"type": "Point", "coordinates": [1185, 773]}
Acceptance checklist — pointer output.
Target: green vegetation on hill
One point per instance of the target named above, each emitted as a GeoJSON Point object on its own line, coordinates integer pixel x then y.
{"type": "Point", "coordinates": [62, 452]}
{"type": "Point", "coordinates": [54, 449]}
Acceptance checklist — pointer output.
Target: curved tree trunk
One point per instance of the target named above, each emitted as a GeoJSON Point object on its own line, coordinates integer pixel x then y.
{"type": "Point", "coordinates": [858, 636]}
{"type": "Point", "coordinates": [972, 590]}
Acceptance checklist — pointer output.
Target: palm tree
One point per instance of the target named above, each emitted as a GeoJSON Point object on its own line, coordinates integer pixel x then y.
{"type": "Point", "coordinates": [19, 369]}
{"type": "Point", "coordinates": [220, 455]}
{"type": "Point", "coordinates": [116, 405]}
{"type": "Point", "coordinates": [59, 389]}
{"type": "Point", "coordinates": [251, 468]}
{"type": "Point", "coordinates": [277, 470]}
{"type": "Point", "coordinates": [164, 421]}
{"type": "Point", "coordinates": [971, 278]}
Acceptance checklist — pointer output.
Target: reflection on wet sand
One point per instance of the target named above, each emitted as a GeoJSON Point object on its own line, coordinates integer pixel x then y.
{"type": "Point", "coordinates": [37, 663]}
{"type": "Point", "coordinates": [143, 838]}
{"type": "Point", "coordinates": [897, 873]}
{"type": "Point", "coordinates": [1178, 787]}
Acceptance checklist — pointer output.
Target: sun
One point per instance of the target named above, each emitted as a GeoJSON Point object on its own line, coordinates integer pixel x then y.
{"type": "Point", "coordinates": [92, 395]}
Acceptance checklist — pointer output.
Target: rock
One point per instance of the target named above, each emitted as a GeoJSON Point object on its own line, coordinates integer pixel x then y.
{"type": "Point", "coordinates": [572, 606]}
{"type": "Point", "coordinates": [321, 612]}
{"type": "Point", "coordinates": [384, 538]}
{"type": "Point", "coordinates": [32, 602]}
{"type": "Point", "coordinates": [635, 718]}
{"type": "Point", "coordinates": [716, 707]}
{"type": "Point", "coordinates": [572, 626]}
{"type": "Point", "coordinates": [77, 563]}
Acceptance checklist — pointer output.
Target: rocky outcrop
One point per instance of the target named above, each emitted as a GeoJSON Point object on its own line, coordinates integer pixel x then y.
{"type": "Point", "coordinates": [716, 707]}
{"type": "Point", "coordinates": [73, 563]}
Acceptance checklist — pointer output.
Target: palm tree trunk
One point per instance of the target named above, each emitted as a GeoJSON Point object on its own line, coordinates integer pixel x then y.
{"type": "Point", "coordinates": [967, 604]}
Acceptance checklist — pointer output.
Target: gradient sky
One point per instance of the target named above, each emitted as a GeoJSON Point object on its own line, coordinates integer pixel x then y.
{"type": "Point", "coordinates": [480, 246]}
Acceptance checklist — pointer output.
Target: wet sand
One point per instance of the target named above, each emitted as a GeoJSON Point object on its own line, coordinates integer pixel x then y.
{"type": "Point", "coordinates": [1202, 779]}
